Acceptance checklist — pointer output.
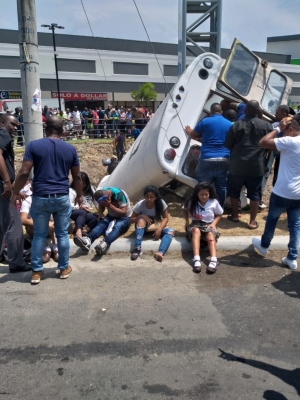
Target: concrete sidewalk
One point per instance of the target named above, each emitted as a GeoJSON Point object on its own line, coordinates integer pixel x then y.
{"type": "Point", "coordinates": [236, 243]}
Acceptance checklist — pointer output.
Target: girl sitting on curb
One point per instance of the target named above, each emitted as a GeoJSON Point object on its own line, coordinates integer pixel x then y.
{"type": "Point", "coordinates": [145, 215]}
{"type": "Point", "coordinates": [205, 211]}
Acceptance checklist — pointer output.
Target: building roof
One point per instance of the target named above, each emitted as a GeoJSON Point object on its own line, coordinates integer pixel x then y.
{"type": "Point", "coordinates": [283, 38]}
{"type": "Point", "coordinates": [137, 46]}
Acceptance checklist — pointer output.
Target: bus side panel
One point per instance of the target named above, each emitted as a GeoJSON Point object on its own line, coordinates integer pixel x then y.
{"type": "Point", "coordinates": [140, 166]}
{"type": "Point", "coordinates": [190, 105]}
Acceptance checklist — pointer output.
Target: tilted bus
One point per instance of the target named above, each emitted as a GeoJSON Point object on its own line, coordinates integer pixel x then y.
{"type": "Point", "coordinates": [163, 152]}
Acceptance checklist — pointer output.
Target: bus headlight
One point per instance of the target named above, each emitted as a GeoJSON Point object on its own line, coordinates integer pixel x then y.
{"type": "Point", "coordinates": [208, 63]}
{"type": "Point", "coordinates": [174, 142]}
{"type": "Point", "coordinates": [170, 154]}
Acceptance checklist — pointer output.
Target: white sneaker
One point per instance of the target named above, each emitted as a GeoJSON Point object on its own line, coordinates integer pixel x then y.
{"type": "Point", "coordinates": [257, 245]}
{"type": "Point", "coordinates": [262, 206]}
{"type": "Point", "coordinates": [102, 248]}
{"type": "Point", "coordinates": [83, 242]}
{"type": "Point", "coordinates": [292, 264]}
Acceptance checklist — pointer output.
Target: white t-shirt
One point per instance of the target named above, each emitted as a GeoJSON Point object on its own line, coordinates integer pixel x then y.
{"type": "Point", "coordinates": [288, 181]}
{"type": "Point", "coordinates": [77, 117]}
{"type": "Point", "coordinates": [26, 204]}
{"type": "Point", "coordinates": [207, 212]}
{"type": "Point", "coordinates": [87, 200]}
{"type": "Point", "coordinates": [140, 208]}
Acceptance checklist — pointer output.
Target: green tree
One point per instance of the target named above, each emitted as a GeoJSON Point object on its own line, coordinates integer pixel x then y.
{"type": "Point", "coordinates": [146, 92]}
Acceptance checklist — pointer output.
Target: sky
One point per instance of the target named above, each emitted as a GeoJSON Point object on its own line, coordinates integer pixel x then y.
{"type": "Point", "coordinates": [251, 21]}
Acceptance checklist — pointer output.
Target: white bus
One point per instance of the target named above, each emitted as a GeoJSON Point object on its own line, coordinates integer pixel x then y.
{"type": "Point", "coordinates": [163, 151]}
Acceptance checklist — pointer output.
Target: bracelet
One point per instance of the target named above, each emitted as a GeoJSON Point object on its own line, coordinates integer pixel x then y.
{"type": "Point", "coordinates": [277, 129]}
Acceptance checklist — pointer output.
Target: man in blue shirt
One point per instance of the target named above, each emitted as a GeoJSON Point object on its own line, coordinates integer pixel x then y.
{"type": "Point", "coordinates": [213, 165]}
{"type": "Point", "coordinates": [52, 159]}
{"type": "Point", "coordinates": [135, 132]}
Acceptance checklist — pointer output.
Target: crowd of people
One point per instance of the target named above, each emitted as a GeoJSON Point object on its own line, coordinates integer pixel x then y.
{"type": "Point", "coordinates": [234, 143]}
{"type": "Point", "coordinates": [96, 122]}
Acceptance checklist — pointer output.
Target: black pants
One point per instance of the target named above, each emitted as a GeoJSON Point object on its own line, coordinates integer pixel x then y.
{"type": "Point", "coordinates": [82, 217]}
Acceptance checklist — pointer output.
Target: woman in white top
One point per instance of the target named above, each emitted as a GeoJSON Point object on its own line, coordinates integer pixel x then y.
{"type": "Point", "coordinates": [145, 213]}
{"type": "Point", "coordinates": [84, 215]}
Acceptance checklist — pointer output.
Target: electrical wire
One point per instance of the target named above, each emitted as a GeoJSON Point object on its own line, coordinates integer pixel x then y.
{"type": "Point", "coordinates": [91, 29]}
{"type": "Point", "coordinates": [153, 50]}
{"type": "Point", "coordinates": [154, 53]}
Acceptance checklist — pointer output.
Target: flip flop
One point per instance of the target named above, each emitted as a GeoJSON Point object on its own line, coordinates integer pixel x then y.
{"type": "Point", "coordinates": [230, 217]}
{"type": "Point", "coordinates": [253, 226]}
{"type": "Point", "coordinates": [159, 256]}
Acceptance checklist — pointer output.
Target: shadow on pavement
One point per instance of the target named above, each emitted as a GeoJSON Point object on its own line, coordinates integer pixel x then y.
{"type": "Point", "coordinates": [291, 377]}
{"type": "Point", "coordinates": [24, 277]}
{"type": "Point", "coordinates": [289, 284]}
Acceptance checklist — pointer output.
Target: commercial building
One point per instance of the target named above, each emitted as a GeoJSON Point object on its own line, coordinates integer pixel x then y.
{"type": "Point", "coordinates": [95, 71]}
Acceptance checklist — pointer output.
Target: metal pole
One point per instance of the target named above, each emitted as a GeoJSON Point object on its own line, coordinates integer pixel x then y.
{"type": "Point", "coordinates": [219, 28]}
{"type": "Point", "coordinates": [29, 65]}
{"type": "Point", "coordinates": [55, 62]}
{"type": "Point", "coordinates": [181, 36]}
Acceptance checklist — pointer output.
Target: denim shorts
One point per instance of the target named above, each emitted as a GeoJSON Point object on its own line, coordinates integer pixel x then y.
{"type": "Point", "coordinates": [253, 185]}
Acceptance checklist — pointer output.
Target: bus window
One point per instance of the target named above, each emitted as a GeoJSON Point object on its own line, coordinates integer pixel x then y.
{"type": "Point", "coordinates": [189, 167]}
{"type": "Point", "coordinates": [273, 93]}
{"type": "Point", "coordinates": [241, 70]}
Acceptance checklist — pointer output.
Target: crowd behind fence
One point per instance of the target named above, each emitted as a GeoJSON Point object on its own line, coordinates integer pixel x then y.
{"type": "Point", "coordinates": [92, 123]}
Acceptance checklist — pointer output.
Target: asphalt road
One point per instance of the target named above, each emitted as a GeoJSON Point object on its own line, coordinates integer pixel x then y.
{"type": "Point", "coordinates": [118, 329]}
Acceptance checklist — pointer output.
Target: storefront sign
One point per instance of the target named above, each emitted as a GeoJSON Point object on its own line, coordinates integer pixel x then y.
{"type": "Point", "coordinates": [80, 96]}
{"type": "Point", "coordinates": [10, 95]}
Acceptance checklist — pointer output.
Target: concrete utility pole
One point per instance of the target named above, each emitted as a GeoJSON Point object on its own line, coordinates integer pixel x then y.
{"type": "Point", "coordinates": [30, 76]}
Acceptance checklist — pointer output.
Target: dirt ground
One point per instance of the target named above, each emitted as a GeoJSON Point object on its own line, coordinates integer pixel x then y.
{"type": "Point", "coordinates": [91, 152]}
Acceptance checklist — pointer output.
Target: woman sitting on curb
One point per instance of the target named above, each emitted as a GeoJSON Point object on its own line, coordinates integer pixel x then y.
{"type": "Point", "coordinates": [84, 215]}
{"type": "Point", "coordinates": [145, 212]}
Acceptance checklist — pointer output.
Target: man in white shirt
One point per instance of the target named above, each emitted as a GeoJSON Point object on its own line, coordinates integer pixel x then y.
{"type": "Point", "coordinates": [285, 196]}
{"type": "Point", "coordinates": [76, 114]}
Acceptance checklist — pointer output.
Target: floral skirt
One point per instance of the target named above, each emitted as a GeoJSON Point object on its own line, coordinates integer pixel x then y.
{"type": "Point", "coordinates": [203, 227]}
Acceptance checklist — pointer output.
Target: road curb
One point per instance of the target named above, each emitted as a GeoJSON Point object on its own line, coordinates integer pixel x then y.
{"type": "Point", "coordinates": [232, 243]}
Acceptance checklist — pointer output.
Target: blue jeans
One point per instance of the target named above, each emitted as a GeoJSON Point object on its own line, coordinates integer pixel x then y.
{"type": "Point", "coordinates": [214, 172]}
{"type": "Point", "coordinates": [40, 211]}
{"type": "Point", "coordinates": [166, 238]}
{"type": "Point", "coordinates": [277, 206]}
{"type": "Point", "coordinates": [121, 226]}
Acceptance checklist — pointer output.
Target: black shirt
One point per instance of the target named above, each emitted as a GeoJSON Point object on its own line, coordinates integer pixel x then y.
{"type": "Point", "coordinates": [6, 145]}
{"type": "Point", "coordinates": [246, 157]}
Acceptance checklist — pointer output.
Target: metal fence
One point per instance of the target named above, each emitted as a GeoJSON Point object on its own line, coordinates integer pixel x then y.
{"type": "Point", "coordinates": [104, 129]}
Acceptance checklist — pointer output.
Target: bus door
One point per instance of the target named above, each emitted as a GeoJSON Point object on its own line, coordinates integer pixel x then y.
{"type": "Point", "coordinates": [248, 77]}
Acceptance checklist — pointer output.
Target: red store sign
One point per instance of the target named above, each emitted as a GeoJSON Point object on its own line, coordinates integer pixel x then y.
{"type": "Point", "coordinates": [80, 96]}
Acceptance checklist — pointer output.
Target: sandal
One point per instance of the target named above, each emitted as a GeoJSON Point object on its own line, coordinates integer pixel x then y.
{"type": "Point", "coordinates": [230, 217]}
{"type": "Point", "coordinates": [159, 256]}
{"type": "Point", "coordinates": [197, 266]}
{"type": "Point", "coordinates": [212, 267]}
{"type": "Point", "coordinates": [255, 226]}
